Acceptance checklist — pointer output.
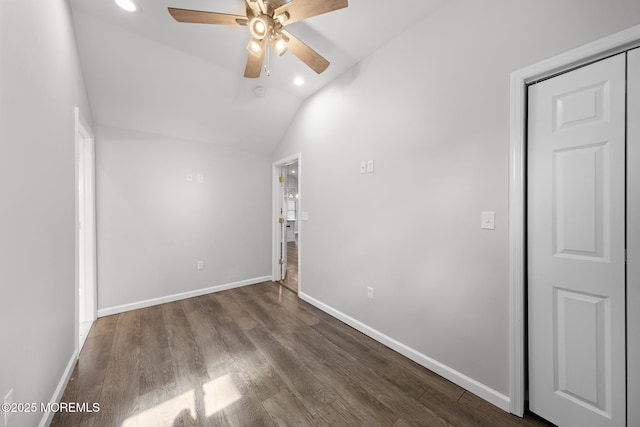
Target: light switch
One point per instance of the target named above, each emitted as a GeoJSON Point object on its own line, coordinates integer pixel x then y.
{"type": "Point", "coordinates": [489, 220]}
{"type": "Point", "coordinates": [200, 178]}
{"type": "Point", "coordinates": [363, 167]}
{"type": "Point", "coordinates": [370, 166]}
{"type": "Point", "coordinates": [189, 177]}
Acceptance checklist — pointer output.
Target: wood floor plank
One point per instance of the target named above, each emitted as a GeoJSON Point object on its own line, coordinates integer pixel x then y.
{"type": "Point", "coordinates": [487, 415]}
{"type": "Point", "coordinates": [103, 326]}
{"type": "Point", "coordinates": [189, 365]}
{"type": "Point", "coordinates": [449, 409]}
{"type": "Point", "coordinates": [338, 413]}
{"type": "Point", "coordinates": [206, 336]}
{"type": "Point", "coordinates": [258, 307]}
{"type": "Point", "coordinates": [118, 400]}
{"type": "Point", "coordinates": [256, 356]}
{"type": "Point", "coordinates": [290, 301]}
{"type": "Point", "coordinates": [247, 410]}
{"type": "Point", "coordinates": [157, 375]}
{"type": "Point", "coordinates": [87, 379]}
{"type": "Point", "coordinates": [236, 312]}
{"type": "Point", "coordinates": [260, 374]}
{"type": "Point", "coordinates": [286, 409]}
{"type": "Point", "coordinates": [321, 358]}
{"type": "Point", "coordinates": [374, 393]}
{"type": "Point", "coordinates": [374, 360]}
{"type": "Point", "coordinates": [312, 393]}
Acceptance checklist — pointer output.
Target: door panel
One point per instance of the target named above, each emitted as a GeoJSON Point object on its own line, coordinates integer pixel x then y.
{"type": "Point", "coordinates": [576, 243]}
{"type": "Point", "coordinates": [633, 236]}
{"type": "Point", "coordinates": [578, 205]}
{"type": "Point", "coordinates": [580, 348]}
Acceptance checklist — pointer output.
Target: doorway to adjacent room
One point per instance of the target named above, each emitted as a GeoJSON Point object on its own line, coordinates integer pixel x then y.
{"type": "Point", "coordinates": [286, 215]}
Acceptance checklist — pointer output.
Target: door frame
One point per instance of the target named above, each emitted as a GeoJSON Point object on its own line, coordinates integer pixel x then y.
{"type": "Point", "coordinates": [594, 51]}
{"type": "Point", "coordinates": [85, 138]}
{"type": "Point", "coordinates": [275, 226]}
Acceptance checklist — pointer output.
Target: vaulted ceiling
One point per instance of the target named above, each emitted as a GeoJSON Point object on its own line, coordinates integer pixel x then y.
{"type": "Point", "coordinates": [144, 71]}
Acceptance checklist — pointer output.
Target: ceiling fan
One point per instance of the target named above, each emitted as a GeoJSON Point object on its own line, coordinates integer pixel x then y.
{"type": "Point", "coordinates": [266, 20]}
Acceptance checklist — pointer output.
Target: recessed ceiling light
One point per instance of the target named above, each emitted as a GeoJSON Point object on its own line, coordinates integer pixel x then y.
{"type": "Point", "coordinates": [298, 81]}
{"type": "Point", "coordinates": [127, 5]}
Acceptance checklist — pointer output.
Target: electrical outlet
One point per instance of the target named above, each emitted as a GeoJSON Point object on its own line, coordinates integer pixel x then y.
{"type": "Point", "coordinates": [369, 292]}
{"type": "Point", "coordinates": [200, 265]}
{"type": "Point", "coordinates": [8, 400]}
{"type": "Point", "coordinates": [488, 220]}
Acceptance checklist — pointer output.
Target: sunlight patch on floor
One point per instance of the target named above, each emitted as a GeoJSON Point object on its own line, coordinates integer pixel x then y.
{"type": "Point", "coordinates": [164, 414]}
{"type": "Point", "coordinates": [218, 394]}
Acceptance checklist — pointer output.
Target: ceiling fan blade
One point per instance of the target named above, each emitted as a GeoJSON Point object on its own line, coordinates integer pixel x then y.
{"type": "Point", "coordinates": [202, 17]}
{"type": "Point", "coordinates": [256, 6]}
{"type": "Point", "coordinates": [302, 9]}
{"type": "Point", "coordinates": [254, 62]}
{"type": "Point", "coordinates": [307, 55]}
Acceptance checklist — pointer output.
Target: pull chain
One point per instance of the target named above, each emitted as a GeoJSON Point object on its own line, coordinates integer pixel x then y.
{"type": "Point", "coordinates": [267, 66]}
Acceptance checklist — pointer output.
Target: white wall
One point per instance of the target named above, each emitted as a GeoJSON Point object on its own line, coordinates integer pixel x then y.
{"type": "Point", "coordinates": [432, 109]}
{"type": "Point", "coordinates": [153, 225]}
{"type": "Point", "coordinates": [40, 83]}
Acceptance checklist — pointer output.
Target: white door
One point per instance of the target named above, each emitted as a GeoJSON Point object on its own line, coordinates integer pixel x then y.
{"type": "Point", "coordinates": [576, 246]}
{"type": "Point", "coordinates": [633, 237]}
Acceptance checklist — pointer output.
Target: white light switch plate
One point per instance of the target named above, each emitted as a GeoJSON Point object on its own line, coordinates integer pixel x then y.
{"type": "Point", "coordinates": [370, 166]}
{"type": "Point", "coordinates": [489, 220]}
{"type": "Point", "coordinates": [363, 167]}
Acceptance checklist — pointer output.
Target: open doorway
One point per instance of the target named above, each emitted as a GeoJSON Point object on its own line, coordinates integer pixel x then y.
{"type": "Point", "coordinates": [291, 197]}
{"type": "Point", "coordinates": [287, 223]}
{"type": "Point", "coordinates": [86, 292]}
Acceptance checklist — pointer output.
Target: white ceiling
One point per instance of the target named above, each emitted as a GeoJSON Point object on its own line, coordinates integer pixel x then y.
{"type": "Point", "coordinates": [145, 71]}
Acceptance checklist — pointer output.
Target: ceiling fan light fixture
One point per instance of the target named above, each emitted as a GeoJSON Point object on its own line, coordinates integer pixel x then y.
{"type": "Point", "coordinates": [259, 27]}
{"type": "Point", "coordinates": [283, 17]}
{"type": "Point", "coordinates": [127, 5]}
{"type": "Point", "coordinates": [254, 47]}
{"type": "Point", "coordinates": [280, 44]}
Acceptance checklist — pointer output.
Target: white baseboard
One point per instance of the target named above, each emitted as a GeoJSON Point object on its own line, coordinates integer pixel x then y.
{"type": "Point", "coordinates": [47, 417]}
{"type": "Point", "coordinates": [176, 297]}
{"type": "Point", "coordinates": [475, 387]}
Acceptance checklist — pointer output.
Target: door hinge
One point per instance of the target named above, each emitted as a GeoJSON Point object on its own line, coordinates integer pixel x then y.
{"type": "Point", "coordinates": [281, 220]}
{"type": "Point", "coordinates": [281, 261]}
{"type": "Point", "coordinates": [281, 179]}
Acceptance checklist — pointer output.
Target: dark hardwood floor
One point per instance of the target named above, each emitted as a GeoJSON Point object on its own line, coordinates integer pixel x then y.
{"type": "Point", "coordinates": [257, 356]}
{"type": "Point", "coordinates": [291, 279]}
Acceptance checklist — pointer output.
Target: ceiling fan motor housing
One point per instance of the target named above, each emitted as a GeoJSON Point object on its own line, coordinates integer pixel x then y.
{"type": "Point", "coordinates": [266, 20]}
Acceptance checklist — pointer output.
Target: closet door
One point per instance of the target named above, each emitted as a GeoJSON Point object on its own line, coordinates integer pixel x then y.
{"type": "Point", "coordinates": [576, 246]}
{"type": "Point", "coordinates": [633, 236]}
